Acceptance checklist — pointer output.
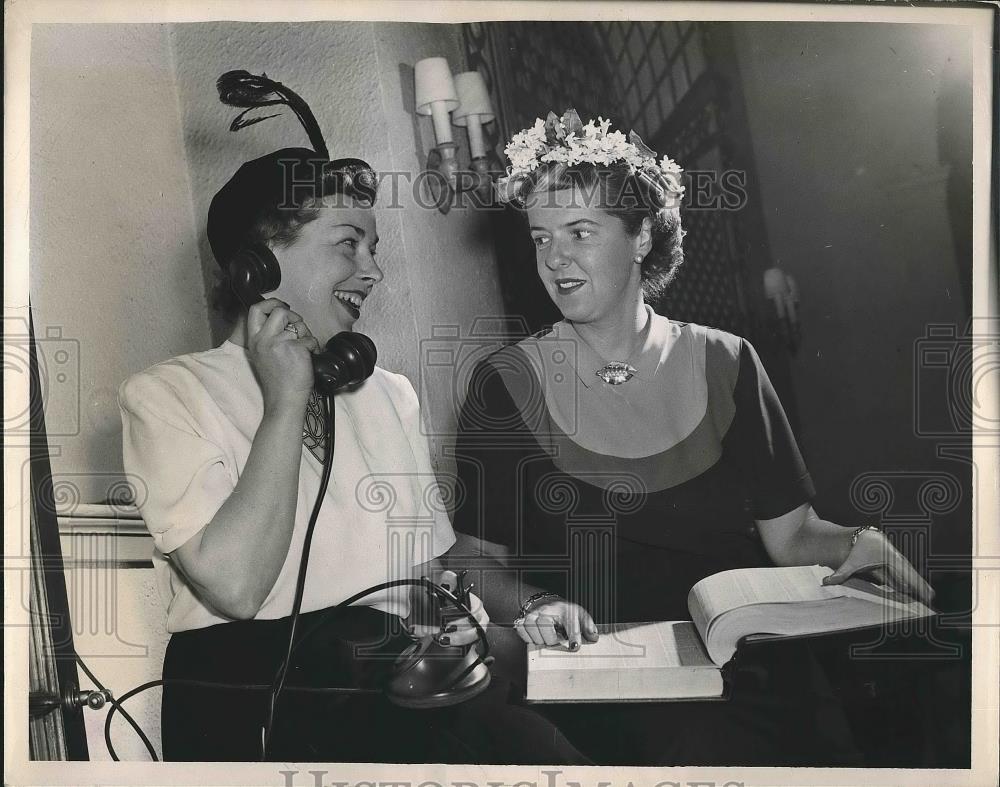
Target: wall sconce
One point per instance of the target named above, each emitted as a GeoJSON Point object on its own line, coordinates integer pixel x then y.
{"type": "Point", "coordinates": [783, 292]}
{"type": "Point", "coordinates": [436, 96]}
{"type": "Point", "coordinates": [465, 95]}
{"type": "Point", "coordinates": [474, 109]}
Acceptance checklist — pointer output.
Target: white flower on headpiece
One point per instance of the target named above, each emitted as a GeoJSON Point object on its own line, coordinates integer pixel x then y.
{"type": "Point", "coordinates": [669, 165]}
{"type": "Point", "coordinates": [672, 173]}
{"type": "Point", "coordinates": [524, 147]}
{"type": "Point", "coordinates": [592, 143]}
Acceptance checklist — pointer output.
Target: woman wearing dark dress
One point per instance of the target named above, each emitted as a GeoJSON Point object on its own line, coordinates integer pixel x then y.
{"type": "Point", "coordinates": [617, 458]}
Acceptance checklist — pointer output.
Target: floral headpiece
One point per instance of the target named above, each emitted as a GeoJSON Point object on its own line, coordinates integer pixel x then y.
{"type": "Point", "coordinates": [567, 140]}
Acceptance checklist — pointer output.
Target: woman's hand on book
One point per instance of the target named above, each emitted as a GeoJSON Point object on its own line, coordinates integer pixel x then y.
{"type": "Point", "coordinates": [872, 553]}
{"type": "Point", "coordinates": [556, 620]}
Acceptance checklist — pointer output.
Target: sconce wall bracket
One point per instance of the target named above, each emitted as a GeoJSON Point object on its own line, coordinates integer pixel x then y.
{"type": "Point", "coordinates": [443, 161]}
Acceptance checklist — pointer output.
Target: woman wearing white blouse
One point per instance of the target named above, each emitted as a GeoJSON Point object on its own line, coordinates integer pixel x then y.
{"type": "Point", "coordinates": [227, 447]}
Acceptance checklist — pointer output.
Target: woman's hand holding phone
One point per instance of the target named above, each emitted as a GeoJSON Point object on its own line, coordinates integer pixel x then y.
{"type": "Point", "coordinates": [280, 347]}
{"type": "Point", "coordinates": [235, 560]}
{"type": "Point", "coordinates": [459, 630]}
{"type": "Point", "coordinates": [556, 620]}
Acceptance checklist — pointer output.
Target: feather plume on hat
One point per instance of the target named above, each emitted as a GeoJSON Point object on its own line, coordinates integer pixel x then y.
{"type": "Point", "coordinates": [243, 89]}
{"type": "Point", "coordinates": [276, 178]}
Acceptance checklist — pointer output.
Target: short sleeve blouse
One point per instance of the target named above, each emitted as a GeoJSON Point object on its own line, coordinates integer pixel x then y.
{"type": "Point", "coordinates": [188, 426]}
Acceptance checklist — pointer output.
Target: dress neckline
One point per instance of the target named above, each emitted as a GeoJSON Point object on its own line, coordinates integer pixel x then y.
{"type": "Point", "coordinates": [659, 336]}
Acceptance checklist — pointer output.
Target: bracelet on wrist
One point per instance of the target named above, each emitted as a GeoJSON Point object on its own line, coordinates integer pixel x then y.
{"type": "Point", "coordinates": [857, 533]}
{"type": "Point", "coordinates": [534, 599]}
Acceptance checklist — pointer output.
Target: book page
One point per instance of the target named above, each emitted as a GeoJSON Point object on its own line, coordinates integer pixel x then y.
{"type": "Point", "coordinates": [895, 603]}
{"type": "Point", "coordinates": [729, 590]}
{"type": "Point", "coordinates": [626, 646]}
{"type": "Point", "coordinates": [788, 601]}
{"type": "Point", "coordinates": [629, 663]}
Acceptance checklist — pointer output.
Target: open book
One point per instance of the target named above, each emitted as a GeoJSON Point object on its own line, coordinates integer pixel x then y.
{"type": "Point", "coordinates": [683, 659]}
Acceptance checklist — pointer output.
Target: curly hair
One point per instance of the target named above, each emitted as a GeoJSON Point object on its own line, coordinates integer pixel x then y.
{"type": "Point", "coordinates": [273, 227]}
{"type": "Point", "coordinates": [627, 196]}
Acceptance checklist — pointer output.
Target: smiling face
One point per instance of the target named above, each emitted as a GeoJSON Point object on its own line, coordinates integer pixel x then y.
{"type": "Point", "coordinates": [585, 257]}
{"type": "Point", "coordinates": [329, 269]}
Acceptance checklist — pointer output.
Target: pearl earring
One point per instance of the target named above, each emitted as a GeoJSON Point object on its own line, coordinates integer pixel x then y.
{"type": "Point", "coordinates": [637, 259]}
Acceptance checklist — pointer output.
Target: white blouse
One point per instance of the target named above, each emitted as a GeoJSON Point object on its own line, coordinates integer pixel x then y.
{"type": "Point", "coordinates": [188, 424]}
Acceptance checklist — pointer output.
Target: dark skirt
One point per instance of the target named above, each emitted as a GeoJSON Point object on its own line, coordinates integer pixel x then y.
{"type": "Point", "coordinates": [352, 648]}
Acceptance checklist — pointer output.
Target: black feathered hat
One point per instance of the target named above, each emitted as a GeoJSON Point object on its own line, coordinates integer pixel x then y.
{"type": "Point", "coordinates": [285, 178]}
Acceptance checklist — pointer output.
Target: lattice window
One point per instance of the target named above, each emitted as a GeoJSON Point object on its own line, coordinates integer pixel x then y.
{"type": "Point", "coordinates": [634, 73]}
{"type": "Point", "coordinates": [531, 68]}
{"type": "Point", "coordinates": [653, 64]}
{"type": "Point", "coordinates": [706, 291]}
{"type": "Point", "coordinates": [710, 287]}
{"type": "Point", "coordinates": [554, 66]}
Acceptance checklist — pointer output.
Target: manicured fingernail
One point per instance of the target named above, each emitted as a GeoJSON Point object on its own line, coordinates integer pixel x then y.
{"type": "Point", "coordinates": [451, 629]}
{"type": "Point", "coordinates": [574, 645]}
{"type": "Point", "coordinates": [444, 640]}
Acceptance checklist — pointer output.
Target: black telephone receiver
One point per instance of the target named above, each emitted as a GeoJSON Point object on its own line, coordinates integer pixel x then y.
{"type": "Point", "coordinates": [348, 358]}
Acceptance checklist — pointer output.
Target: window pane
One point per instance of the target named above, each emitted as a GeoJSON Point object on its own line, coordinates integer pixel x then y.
{"type": "Point", "coordinates": [680, 78]}
{"type": "Point", "coordinates": [645, 80]}
{"type": "Point", "coordinates": [657, 56]}
{"type": "Point", "coordinates": [695, 57]}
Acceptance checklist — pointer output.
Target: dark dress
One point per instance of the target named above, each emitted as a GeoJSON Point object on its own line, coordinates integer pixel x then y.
{"type": "Point", "coordinates": [627, 538]}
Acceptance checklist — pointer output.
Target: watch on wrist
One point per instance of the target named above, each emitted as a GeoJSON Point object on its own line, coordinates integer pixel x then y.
{"type": "Point", "coordinates": [857, 533]}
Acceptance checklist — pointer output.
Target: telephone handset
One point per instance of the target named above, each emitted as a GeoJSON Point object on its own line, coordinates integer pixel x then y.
{"type": "Point", "coordinates": [348, 358]}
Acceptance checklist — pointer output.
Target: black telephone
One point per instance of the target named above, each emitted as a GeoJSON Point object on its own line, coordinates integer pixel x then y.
{"type": "Point", "coordinates": [348, 358]}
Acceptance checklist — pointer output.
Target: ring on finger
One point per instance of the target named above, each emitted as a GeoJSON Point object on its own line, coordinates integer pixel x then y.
{"type": "Point", "coordinates": [293, 328]}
